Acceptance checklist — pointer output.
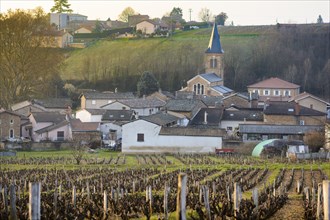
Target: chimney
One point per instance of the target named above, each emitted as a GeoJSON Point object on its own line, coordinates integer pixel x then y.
{"type": "Point", "coordinates": [296, 109]}
{"type": "Point", "coordinates": [205, 118]}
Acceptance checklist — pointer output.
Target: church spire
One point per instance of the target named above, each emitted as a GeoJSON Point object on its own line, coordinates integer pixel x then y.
{"type": "Point", "coordinates": [214, 44]}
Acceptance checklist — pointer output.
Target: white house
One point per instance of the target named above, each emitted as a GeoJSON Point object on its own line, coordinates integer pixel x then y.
{"type": "Point", "coordinates": [90, 115]}
{"type": "Point", "coordinates": [155, 133]}
{"type": "Point", "coordinates": [141, 106]}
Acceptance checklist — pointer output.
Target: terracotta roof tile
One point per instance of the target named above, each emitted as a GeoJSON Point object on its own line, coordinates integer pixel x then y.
{"type": "Point", "coordinates": [274, 83]}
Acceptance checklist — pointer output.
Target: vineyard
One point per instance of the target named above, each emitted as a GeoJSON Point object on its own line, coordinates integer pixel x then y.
{"type": "Point", "coordinates": [155, 186]}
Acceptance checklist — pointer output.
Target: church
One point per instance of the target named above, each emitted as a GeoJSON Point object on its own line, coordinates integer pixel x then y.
{"type": "Point", "coordinates": [210, 83]}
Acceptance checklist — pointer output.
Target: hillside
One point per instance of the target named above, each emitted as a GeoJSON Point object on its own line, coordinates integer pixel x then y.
{"type": "Point", "coordinates": [251, 53]}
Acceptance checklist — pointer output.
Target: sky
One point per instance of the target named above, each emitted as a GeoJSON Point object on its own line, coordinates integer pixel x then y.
{"type": "Point", "coordinates": [241, 12]}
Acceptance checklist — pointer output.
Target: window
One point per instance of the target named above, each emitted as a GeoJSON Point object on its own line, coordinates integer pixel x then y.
{"type": "Point", "coordinates": [60, 135]}
{"type": "Point", "coordinates": [256, 91]}
{"type": "Point", "coordinates": [93, 102]}
{"type": "Point", "coordinates": [140, 137]}
{"type": "Point", "coordinates": [124, 108]}
{"type": "Point", "coordinates": [11, 133]}
{"type": "Point", "coordinates": [11, 121]}
{"type": "Point", "coordinates": [277, 93]}
{"type": "Point", "coordinates": [287, 92]}
{"type": "Point", "coordinates": [202, 90]}
{"type": "Point", "coordinates": [229, 128]}
{"type": "Point", "coordinates": [301, 122]}
{"type": "Point", "coordinates": [195, 89]}
{"type": "Point", "coordinates": [266, 92]}
{"type": "Point", "coordinates": [311, 106]}
{"type": "Point", "coordinates": [213, 62]}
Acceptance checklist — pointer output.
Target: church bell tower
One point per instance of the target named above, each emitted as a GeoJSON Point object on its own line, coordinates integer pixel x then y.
{"type": "Point", "coordinates": [214, 54]}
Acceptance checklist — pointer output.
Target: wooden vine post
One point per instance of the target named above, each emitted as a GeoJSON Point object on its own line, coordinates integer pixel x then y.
{"type": "Point", "coordinates": [34, 201]}
{"type": "Point", "coordinates": [326, 199]}
{"type": "Point", "coordinates": [237, 197]}
{"type": "Point", "coordinates": [13, 215]}
{"type": "Point", "coordinates": [181, 197]}
{"type": "Point", "coordinates": [166, 192]}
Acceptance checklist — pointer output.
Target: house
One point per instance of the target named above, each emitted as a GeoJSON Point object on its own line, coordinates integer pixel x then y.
{"type": "Point", "coordinates": [232, 118]}
{"type": "Point", "coordinates": [162, 95]}
{"type": "Point", "coordinates": [239, 100]}
{"type": "Point", "coordinates": [61, 20]}
{"type": "Point", "coordinates": [116, 24]}
{"type": "Point", "coordinates": [90, 115]}
{"type": "Point", "coordinates": [156, 133]}
{"type": "Point", "coordinates": [186, 107]}
{"type": "Point", "coordinates": [210, 83]}
{"type": "Point", "coordinates": [84, 30]}
{"type": "Point", "coordinates": [94, 100]}
{"type": "Point", "coordinates": [310, 101]}
{"type": "Point", "coordinates": [62, 105]}
{"type": "Point", "coordinates": [141, 106]}
{"type": "Point", "coordinates": [284, 120]}
{"type": "Point", "coordinates": [147, 26]}
{"type": "Point", "coordinates": [134, 19]}
{"type": "Point", "coordinates": [290, 113]}
{"type": "Point", "coordinates": [49, 126]}
{"type": "Point", "coordinates": [274, 89]}
{"type": "Point", "coordinates": [207, 117]}
{"type": "Point", "coordinates": [57, 39]}
{"type": "Point", "coordinates": [10, 125]}
{"type": "Point", "coordinates": [87, 131]}
{"type": "Point", "coordinates": [26, 107]}
{"type": "Point", "coordinates": [112, 121]}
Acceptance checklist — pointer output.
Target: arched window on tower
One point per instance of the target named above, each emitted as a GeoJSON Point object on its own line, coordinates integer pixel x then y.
{"type": "Point", "coordinates": [195, 88]}
{"type": "Point", "coordinates": [198, 89]}
{"type": "Point", "coordinates": [202, 90]}
{"type": "Point", "coordinates": [213, 62]}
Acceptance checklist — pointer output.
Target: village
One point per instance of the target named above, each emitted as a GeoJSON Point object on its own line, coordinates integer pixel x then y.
{"type": "Point", "coordinates": [203, 117]}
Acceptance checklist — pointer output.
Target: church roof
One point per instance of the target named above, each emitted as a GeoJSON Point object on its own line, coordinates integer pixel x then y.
{"type": "Point", "coordinates": [211, 77]}
{"type": "Point", "coordinates": [214, 44]}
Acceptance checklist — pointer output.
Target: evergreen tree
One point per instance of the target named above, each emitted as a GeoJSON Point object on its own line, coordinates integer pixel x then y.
{"type": "Point", "coordinates": [221, 18]}
{"type": "Point", "coordinates": [147, 84]}
{"type": "Point", "coordinates": [61, 6]}
{"type": "Point", "coordinates": [320, 20]}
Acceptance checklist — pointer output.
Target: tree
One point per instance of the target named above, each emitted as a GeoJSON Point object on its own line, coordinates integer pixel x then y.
{"type": "Point", "coordinates": [79, 149]}
{"type": "Point", "coordinates": [61, 6]}
{"type": "Point", "coordinates": [221, 18]}
{"type": "Point", "coordinates": [176, 15]}
{"type": "Point", "coordinates": [205, 14]}
{"type": "Point", "coordinates": [27, 67]}
{"type": "Point", "coordinates": [320, 20]}
{"type": "Point", "coordinates": [147, 84]}
{"type": "Point", "coordinates": [126, 13]}
{"type": "Point", "coordinates": [98, 27]}
{"type": "Point", "coordinates": [315, 140]}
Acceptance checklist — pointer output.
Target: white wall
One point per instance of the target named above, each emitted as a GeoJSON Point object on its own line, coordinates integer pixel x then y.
{"type": "Point", "coordinates": [153, 142]}
{"type": "Point", "coordinates": [83, 115]}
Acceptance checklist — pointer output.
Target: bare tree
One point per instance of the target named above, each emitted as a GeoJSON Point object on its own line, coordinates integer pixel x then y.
{"type": "Point", "coordinates": [126, 13]}
{"type": "Point", "coordinates": [27, 66]}
{"type": "Point", "coordinates": [205, 14]}
{"type": "Point", "coordinates": [79, 149]}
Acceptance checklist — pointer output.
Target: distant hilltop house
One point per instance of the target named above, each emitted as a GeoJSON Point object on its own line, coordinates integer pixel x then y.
{"type": "Point", "coordinates": [61, 20]}
{"type": "Point", "coordinates": [134, 19]}
{"type": "Point", "coordinates": [210, 83]}
{"type": "Point", "coordinates": [57, 39]}
{"type": "Point", "coordinates": [150, 26]}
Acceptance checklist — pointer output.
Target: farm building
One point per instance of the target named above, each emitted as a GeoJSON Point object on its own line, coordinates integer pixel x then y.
{"type": "Point", "coordinates": [158, 133]}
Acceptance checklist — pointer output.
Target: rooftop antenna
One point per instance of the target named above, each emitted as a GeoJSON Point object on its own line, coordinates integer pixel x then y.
{"type": "Point", "coordinates": [190, 10]}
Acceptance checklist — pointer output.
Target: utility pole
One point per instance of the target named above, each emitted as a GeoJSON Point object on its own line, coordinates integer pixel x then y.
{"type": "Point", "coordinates": [190, 10]}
